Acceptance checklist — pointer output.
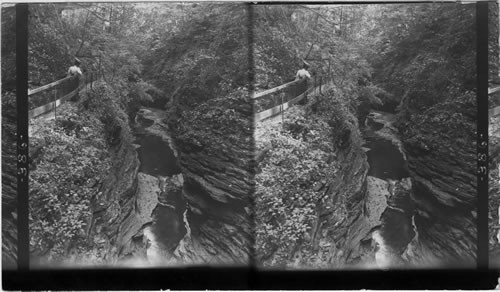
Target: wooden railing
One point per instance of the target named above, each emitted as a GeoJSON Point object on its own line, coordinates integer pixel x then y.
{"type": "Point", "coordinates": [298, 89]}
{"type": "Point", "coordinates": [48, 97]}
{"type": "Point", "coordinates": [276, 100]}
{"type": "Point", "coordinates": [495, 111]}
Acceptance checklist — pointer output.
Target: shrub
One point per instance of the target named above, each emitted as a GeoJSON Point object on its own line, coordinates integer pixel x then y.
{"type": "Point", "coordinates": [289, 182]}
{"type": "Point", "coordinates": [63, 183]}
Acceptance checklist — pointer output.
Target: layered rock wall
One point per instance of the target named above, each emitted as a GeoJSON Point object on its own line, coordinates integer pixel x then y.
{"type": "Point", "coordinates": [216, 158]}
{"type": "Point", "coordinates": [444, 190]}
{"type": "Point", "coordinates": [114, 221]}
{"type": "Point", "coordinates": [344, 223]}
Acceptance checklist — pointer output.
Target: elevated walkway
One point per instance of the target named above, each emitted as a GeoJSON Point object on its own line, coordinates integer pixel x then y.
{"type": "Point", "coordinates": [270, 103]}
{"type": "Point", "coordinates": [59, 92]}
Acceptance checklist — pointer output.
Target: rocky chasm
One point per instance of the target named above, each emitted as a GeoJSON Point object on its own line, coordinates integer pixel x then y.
{"type": "Point", "coordinates": [196, 216]}
{"type": "Point", "coordinates": [386, 224]}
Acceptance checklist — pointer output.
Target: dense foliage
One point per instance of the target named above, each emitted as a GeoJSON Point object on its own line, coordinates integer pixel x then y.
{"type": "Point", "coordinates": [108, 38]}
{"type": "Point", "coordinates": [301, 160]}
{"type": "Point", "coordinates": [76, 156]}
{"type": "Point", "coordinates": [428, 57]}
{"type": "Point", "coordinates": [207, 58]}
{"type": "Point", "coordinates": [63, 183]}
{"type": "Point", "coordinates": [325, 37]}
{"type": "Point", "coordinates": [332, 39]}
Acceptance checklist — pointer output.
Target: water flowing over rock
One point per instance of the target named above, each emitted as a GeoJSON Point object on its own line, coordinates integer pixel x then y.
{"type": "Point", "coordinates": [159, 203]}
{"type": "Point", "coordinates": [389, 187]}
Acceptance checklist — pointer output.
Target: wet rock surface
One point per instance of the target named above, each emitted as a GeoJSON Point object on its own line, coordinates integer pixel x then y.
{"type": "Point", "coordinates": [165, 227]}
{"type": "Point", "coordinates": [390, 179]}
{"type": "Point", "coordinates": [131, 235]}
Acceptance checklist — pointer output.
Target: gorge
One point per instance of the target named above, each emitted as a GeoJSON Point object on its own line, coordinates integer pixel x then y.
{"type": "Point", "coordinates": [161, 163]}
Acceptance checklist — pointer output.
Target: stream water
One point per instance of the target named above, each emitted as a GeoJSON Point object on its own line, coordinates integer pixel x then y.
{"type": "Point", "coordinates": [387, 163]}
{"type": "Point", "coordinates": [385, 160]}
{"type": "Point", "coordinates": [157, 159]}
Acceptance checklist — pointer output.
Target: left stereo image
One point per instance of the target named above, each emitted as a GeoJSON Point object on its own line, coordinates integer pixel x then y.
{"type": "Point", "coordinates": [140, 135]}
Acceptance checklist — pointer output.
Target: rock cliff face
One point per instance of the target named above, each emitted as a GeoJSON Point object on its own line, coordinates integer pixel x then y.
{"type": "Point", "coordinates": [351, 187]}
{"type": "Point", "coordinates": [346, 216]}
{"type": "Point", "coordinates": [115, 220]}
{"type": "Point", "coordinates": [439, 196]}
{"type": "Point", "coordinates": [215, 154]}
{"type": "Point", "coordinates": [442, 166]}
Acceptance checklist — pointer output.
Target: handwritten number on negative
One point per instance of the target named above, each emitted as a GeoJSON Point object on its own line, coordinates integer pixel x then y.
{"type": "Point", "coordinates": [21, 158]}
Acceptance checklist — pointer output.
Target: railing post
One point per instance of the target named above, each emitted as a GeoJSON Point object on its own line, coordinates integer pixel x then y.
{"type": "Point", "coordinates": [55, 105]}
{"type": "Point", "coordinates": [282, 112]}
{"type": "Point", "coordinates": [78, 88]}
{"type": "Point", "coordinates": [305, 92]}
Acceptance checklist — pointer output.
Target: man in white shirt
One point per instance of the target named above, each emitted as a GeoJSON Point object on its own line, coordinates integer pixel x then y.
{"type": "Point", "coordinates": [75, 69]}
{"type": "Point", "coordinates": [303, 73]}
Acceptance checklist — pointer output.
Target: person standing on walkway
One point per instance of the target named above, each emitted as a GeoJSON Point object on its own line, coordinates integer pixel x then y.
{"type": "Point", "coordinates": [75, 69]}
{"type": "Point", "coordinates": [74, 83]}
{"type": "Point", "coordinates": [303, 73]}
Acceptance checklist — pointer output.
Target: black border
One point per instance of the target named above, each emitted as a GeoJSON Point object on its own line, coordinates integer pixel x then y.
{"type": "Point", "coordinates": [246, 278]}
{"type": "Point", "coordinates": [482, 134]}
{"type": "Point", "coordinates": [22, 136]}
{"type": "Point", "coordinates": [243, 278]}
